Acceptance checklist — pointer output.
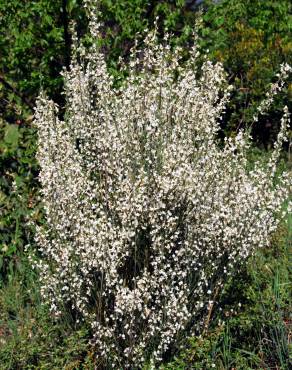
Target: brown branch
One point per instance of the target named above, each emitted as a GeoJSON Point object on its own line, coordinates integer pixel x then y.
{"type": "Point", "coordinates": [210, 310]}
{"type": "Point", "coordinates": [10, 87]}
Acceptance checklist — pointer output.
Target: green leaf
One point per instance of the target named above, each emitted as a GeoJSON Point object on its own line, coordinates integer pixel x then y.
{"type": "Point", "coordinates": [11, 136]}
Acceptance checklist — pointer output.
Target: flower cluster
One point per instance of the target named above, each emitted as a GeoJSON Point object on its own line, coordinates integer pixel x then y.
{"type": "Point", "coordinates": [146, 215]}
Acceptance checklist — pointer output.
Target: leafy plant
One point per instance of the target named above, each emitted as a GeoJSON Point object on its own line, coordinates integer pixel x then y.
{"type": "Point", "coordinates": [30, 338]}
{"type": "Point", "coordinates": [251, 38]}
{"type": "Point", "coordinates": [18, 202]}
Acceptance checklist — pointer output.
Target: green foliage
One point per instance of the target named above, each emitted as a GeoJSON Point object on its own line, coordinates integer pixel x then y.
{"type": "Point", "coordinates": [18, 184]}
{"type": "Point", "coordinates": [35, 41]}
{"type": "Point", "coordinates": [124, 20]}
{"type": "Point", "coordinates": [31, 40]}
{"type": "Point", "coordinates": [252, 38]}
{"type": "Point", "coordinates": [30, 338]}
{"type": "Point", "coordinates": [33, 52]}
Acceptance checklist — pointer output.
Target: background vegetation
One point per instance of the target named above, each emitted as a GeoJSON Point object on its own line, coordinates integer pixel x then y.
{"type": "Point", "coordinates": [252, 38]}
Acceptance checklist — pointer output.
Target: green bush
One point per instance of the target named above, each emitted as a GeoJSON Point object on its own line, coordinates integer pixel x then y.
{"type": "Point", "coordinates": [18, 186]}
{"type": "Point", "coordinates": [30, 337]}
{"type": "Point", "coordinates": [252, 38]}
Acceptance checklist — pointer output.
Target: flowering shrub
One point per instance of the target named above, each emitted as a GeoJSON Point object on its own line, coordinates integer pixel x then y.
{"type": "Point", "coordinates": [146, 215]}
